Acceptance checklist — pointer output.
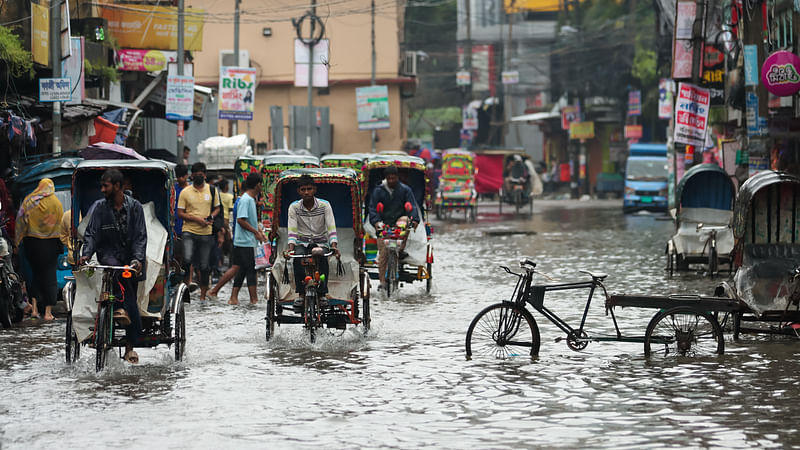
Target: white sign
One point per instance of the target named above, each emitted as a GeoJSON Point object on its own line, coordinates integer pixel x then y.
{"type": "Point", "coordinates": [511, 77]}
{"type": "Point", "coordinates": [321, 57]}
{"type": "Point", "coordinates": [372, 106]}
{"type": "Point", "coordinates": [691, 114]}
{"type": "Point", "coordinates": [469, 118]}
{"type": "Point", "coordinates": [665, 89]}
{"type": "Point", "coordinates": [180, 97]}
{"type": "Point", "coordinates": [463, 78]}
{"type": "Point", "coordinates": [237, 93]}
{"type": "Point", "coordinates": [55, 90]}
{"type": "Point", "coordinates": [72, 68]}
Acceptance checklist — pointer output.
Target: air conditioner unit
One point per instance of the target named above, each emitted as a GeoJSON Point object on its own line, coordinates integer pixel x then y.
{"type": "Point", "coordinates": [226, 58]}
{"type": "Point", "coordinates": [409, 66]}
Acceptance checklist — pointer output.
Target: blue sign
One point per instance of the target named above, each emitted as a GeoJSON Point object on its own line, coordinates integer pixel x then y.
{"type": "Point", "coordinates": [751, 114]}
{"type": "Point", "coordinates": [751, 65]}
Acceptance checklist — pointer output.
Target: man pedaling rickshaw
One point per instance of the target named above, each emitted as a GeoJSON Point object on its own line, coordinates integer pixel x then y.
{"type": "Point", "coordinates": [515, 172]}
{"type": "Point", "coordinates": [391, 202]}
{"type": "Point", "coordinates": [311, 224]}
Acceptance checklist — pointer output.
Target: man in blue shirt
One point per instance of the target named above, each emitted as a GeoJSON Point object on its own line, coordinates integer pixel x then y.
{"type": "Point", "coordinates": [245, 240]}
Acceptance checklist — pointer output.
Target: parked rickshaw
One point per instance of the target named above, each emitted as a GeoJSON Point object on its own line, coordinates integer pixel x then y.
{"type": "Point", "coordinates": [506, 173]}
{"type": "Point", "coordinates": [353, 161]}
{"type": "Point", "coordinates": [347, 302]}
{"type": "Point", "coordinates": [456, 190]}
{"type": "Point", "coordinates": [60, 171]}
{"type": "Point", "coordinates": [766, 254]}
{"type": "Point", "coordinates": [161, 294]}
{"type": "Point", "coordinates": [705, 197]}
{"type": "Point", "coordinates": [413, 172]}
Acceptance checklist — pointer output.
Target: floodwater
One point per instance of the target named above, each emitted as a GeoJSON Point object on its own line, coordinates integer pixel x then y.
{"type": "Point", "coordinates": [408, 384]}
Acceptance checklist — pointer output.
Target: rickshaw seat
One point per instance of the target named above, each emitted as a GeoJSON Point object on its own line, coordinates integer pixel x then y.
{"type": "Point", "coordinates": [596, 275]}
{"type": "Point", "coordinates": [773, 261]}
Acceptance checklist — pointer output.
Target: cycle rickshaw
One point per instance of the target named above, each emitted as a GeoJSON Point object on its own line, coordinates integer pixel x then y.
{"type": "Point", "coordinates": [703, 235]}
{"type": "Point", "coordinates": [271, 168]}
{"type": "Point", "coordinates": [348, 297]}
{"type": "Point", "coordinates": [456, 189]}
{"type": "Point", "coordinates": [413, 172]}
{"type": "Point", "coordinates": [766, 254]}
{"type": "Point", "coordinates": [161, 295]}
{"type": "Point", "coordinates": [492, 168]}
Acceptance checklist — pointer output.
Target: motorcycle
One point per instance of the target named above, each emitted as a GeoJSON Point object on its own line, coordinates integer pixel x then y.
{"type": "Point", "coordinates": [11, 300]}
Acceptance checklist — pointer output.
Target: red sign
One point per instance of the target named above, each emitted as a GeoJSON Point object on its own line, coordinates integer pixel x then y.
{"type": "Point", "coordinates": [691, 114]}
{"type": "Point", "coordinates": [569, 114]}
{"type": "Point", "coordinates": [633, 131]}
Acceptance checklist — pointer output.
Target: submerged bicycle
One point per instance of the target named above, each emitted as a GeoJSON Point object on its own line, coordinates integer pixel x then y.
{"type": "Point", "coordinates": [683, 326]}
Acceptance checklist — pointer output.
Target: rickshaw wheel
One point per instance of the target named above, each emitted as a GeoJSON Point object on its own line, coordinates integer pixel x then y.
{"type": "Point", "coordinates": [737, 325]}
{"type": "Point", "coordinates": [429, 281]}
{"type": "Point", "coordinates": [517, 201]}
{"type": "Point", "coordinates": [503, 330]}
{"type": "Point", "coordinates": [270, 332]}
{"type": "Point", "coordinates": [72, 348]}
{"type": "Point", "coordinates": [101, 337]}
{"type": "Point", "coordinates": [683, 331]}
{"type": "Point", "coordinates": [180, 333]}
{"type": "Point", "coordinates": [670, 260]}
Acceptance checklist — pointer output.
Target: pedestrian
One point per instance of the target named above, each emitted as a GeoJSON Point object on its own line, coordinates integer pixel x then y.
{"type": "Point", "coordinates": [38, 228]}
{"type": "Point", "coordinates": [117, 233]}
{"type": "Point", "coordinates": [198, 205]}
{"type": "Point", "coordinates": [246, 236]}
{"type": "Point", "coordinates": [181, 181]}
{"type": "Point", "coordinates": [234, 268]}
{"type": "Point", "coordinates": [186, 152]}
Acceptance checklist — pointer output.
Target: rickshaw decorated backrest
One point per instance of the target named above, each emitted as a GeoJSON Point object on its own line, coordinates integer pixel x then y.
{"type": "Point", "coordinates": [339, 186]}
{"type": "Point", "coordinates": [706, 186]}
{"type": "Point", "coordinates": [411, 170]}
{"type": "Point", "coordinates": [350, 161]}
{"type": "Point", "coordinates": [767, 210]}
{"type": "Point", "coordinates": [244, 166]}
{"type": "Point", "coordinates": [150, 181]}
{"type": "Point", "coordinates": [457, 165]}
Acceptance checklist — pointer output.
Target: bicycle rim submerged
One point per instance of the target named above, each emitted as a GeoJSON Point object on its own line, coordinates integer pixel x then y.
{"type": "Point", "coordinates": [503, 331]}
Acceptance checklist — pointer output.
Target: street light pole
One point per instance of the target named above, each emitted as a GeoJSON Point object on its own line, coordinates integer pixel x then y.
{"type": "Point", "coordinates": [180, 71]}
{"type": "Point", "coordinates": [55, 63]}
{"type": "Point", "coordinates": [235, 123]}
{"type": "Point", "coordinates": [372, 78]}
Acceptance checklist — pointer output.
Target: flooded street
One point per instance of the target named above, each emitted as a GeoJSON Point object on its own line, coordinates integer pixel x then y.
{"type": "Point", "coordinates": [407, 384]}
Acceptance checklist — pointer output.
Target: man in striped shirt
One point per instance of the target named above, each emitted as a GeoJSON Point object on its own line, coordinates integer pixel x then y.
{"type": "Point", "coordinates": [311, 224]}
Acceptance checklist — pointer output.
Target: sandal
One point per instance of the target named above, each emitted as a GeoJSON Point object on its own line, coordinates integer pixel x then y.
{"type": "Point", "coordinates": [131, 357]}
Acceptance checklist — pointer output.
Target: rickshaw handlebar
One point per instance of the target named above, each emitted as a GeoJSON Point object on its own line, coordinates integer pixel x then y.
{"type": "Point", "coordinates": [104, 267]}
{"type": "Point", "coordinates": [291, 254]}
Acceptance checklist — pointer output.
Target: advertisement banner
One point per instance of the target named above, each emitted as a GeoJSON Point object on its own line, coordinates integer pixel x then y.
{"type": "Point", "coordinates": [469, 118]}
{"type": "Point", "coordinates": [372, 106]}
{"type": "Point", "coordinates": [665, 88]}
{"type": "Point", "coordinates": [153, 26]}
{"type": "Point", "coordinates": [55, 90]}
{"type": "Point", "coordinates": [237, 92]}
{"type": "Point", "coordinates": [779, 73]}
{"type": "Point", "coordinates": [751, 65]}
{"type": "Point", "coordinates": [511, 77]}
{"type": "Point", "coordinates": [691, 114]}
{"type": "Point", "coordinates": [682, 54]}
{"type": "Point", "coordinates": [180, 97]}
{"type": "Point", "coordinates": [686, 12]}
{"type": "Point", "coordinates": [581, 130]}
{"type": "Point", "coordinates": [569, 114]}
{"type": "Point", "coordinates": [462, 78]}
{"type": "Point", "coordinates": [633, 131]}
{"type": "Point", "coordinates": [714, 74]}
{"type": "Point", "coordinates": [751, 113]}
{"type": "Point", "coordinates": [141, 60]}
{"type": "Point", "coordinates": [40, 34]}
{"type": "Point", "coordinates": [634, 103]}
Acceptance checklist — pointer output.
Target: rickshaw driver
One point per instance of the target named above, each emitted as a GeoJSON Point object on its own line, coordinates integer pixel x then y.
{"type": "Point", "coordinates": [117, 232]}
{"type": "Point", "coordinates": [515, 170]}
{"type": "Point", "coordinates": [394, 195]}
{"type": "Point", "coordinates": [311, 224]}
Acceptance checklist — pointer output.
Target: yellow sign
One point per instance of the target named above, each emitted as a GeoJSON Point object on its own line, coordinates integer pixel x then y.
{"type": "Point", "coordinates": [153, 27]}
{"type": "Point", "coordinates": [40, 34]}
{"type": "Point", "coordinates": [581, 130]}
{"type": "Point", "coordinates": [515, 6]}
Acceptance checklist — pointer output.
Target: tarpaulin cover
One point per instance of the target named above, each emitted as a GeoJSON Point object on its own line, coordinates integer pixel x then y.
{"type": "Point", "coordinates": [489, 176]}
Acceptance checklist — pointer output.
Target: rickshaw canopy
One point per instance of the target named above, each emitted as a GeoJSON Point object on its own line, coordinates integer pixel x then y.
{"type": "Point", "coordinates": [413, 172]}
{"type": "Point", "coordinates": [490, 165]}
{"type": "Point", "coordinates": [706, 186]}
{"type": "Point", "coordinates": [58, 169]}
{"type": "Point", "coordinates": [782, 201]}
{"type": "Point", "coordinates": [353, 161]}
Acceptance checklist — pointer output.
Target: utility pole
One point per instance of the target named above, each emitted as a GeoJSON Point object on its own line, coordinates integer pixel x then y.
{"type": "Point", "coordinates": [698, 37]}
{"type": "Point", "coordinates": [179, 152]}
{"type": "Point", "coordinates": [372, 77]}
{"type": "Point", "coordinates": [507, 87]}
{"type": "Point", "coordinates": [55, 63]}
{"type": "Point", "coordinates": [235, 123]}
{"type": "Point", "coordinates": [311, 43]}
{"type": "Point", "coordinates": [468, 50]}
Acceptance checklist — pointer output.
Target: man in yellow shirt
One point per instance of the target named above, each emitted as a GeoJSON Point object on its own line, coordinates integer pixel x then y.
{"type": "Point", "coordinates": [198, 204]}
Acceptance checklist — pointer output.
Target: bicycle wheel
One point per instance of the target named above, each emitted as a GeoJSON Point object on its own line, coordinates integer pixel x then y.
{"type": "Point", "coordinates": [5, 307]}
{"type": "Point", "coordinates": [683, 331]}
{"type": "Point", "coordinates": [270, 332]}
{"type": "Point", "coordinates": [180, 332]}
{"type": "Point", "coordinates": [429, 281]}
{"type": "Point", "coordinates": [102, 336]}
{"type": "Point", "coordinates": [72, 349]}
{"type": "Point", "coordinates": [517, 201]}
{"type": "Point", "coordinates": [391, 274]}
{"type": "Point", "coordinates": [310, 309]}
{"type": "Point", "coordinates": [503, 330]}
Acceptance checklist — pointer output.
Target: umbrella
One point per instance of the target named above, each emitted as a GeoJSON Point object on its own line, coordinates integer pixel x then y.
{"type": "Point", "coordinates": [104, 150]}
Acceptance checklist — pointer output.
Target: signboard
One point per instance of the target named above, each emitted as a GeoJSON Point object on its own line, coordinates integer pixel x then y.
{"type": "Point", "coordinates": [55, 89]}
{"type": "Point", "coordinates": [569, 114]}
{"type": "Point", "coordinates": [372, 106]}
{"type": "Point", "coordinates": [180, 97]}
{"type": "Point", "coordinates": [511, 77]}
{"type": "Point", "coordinates": [633, 131]}
{"type": "Point", "coordinates": [515, 6]}
{"type": "Point", "coordinates": [751, 113]}
{"type": "Point", "coordinates": [714, 74]}
{"type": "Point", "coordinates": [757, 164]}
{"type": "Point", "coordinates": [72, 68]}
{"type": "Point", "coordinates": [321, 57]}
{"type": "Point", "coordinates": [147, 27]}
{"type": "Point", "coordinates": [682, 54]}
{"type": "Point", "coordinates": [40, 34]}
{"type": "Point", "coordinates": [237, 92]}
{"type": "Point", "coordinates": [779, 73]}
{"type": "Point", "coordinates": [634, 103]}
{"type": "Point", "coordinates": [462, 78]}
{"type": "Point", "coordinates": [691, 114]}
{"type": "Point", "coordinates": [665, 89]}
{"type": "Point", "coordinates": [469, 118]}
{"type": "Point", "coordinates": [686, 12]}
{"type": "Point", "coordinates": [751, 65]}
{"type": "Point", "coordinates": [581, 130]}
{"type": "Point", "coordinates": [141, 60]}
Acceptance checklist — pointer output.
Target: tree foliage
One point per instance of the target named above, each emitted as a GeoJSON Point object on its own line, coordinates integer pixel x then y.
{"type": "Point", "coordinates": [18, 61]}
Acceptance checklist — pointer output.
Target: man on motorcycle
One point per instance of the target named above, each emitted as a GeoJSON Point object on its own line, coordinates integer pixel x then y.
{"type": "Point", "coordinates": [117, 232]}
{"type": "Point", "coordinates": [393, 195]}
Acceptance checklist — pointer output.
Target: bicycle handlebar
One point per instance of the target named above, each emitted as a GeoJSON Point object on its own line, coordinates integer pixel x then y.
{"type": "Point", "coordinates": [105, 267]}
{"type": "Point", "coordinates": [290, 255]}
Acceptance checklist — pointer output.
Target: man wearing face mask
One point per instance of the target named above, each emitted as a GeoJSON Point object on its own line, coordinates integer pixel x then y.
{"type": "Point", "coordinates": [116, 232]}
{"type": "Point", "coordinates": [198, 204]}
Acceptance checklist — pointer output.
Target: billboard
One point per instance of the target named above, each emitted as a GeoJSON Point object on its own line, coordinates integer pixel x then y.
{"type": "Point", "coordinates": [237, 93]}
{"type": "Point", "coordinates": [153, 27]}
{"type": "Point", "coordinates": [372, 106]}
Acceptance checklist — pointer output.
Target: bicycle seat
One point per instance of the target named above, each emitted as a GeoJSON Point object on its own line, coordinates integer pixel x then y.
{"type": "Point", "coordinates": [596, 275]}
